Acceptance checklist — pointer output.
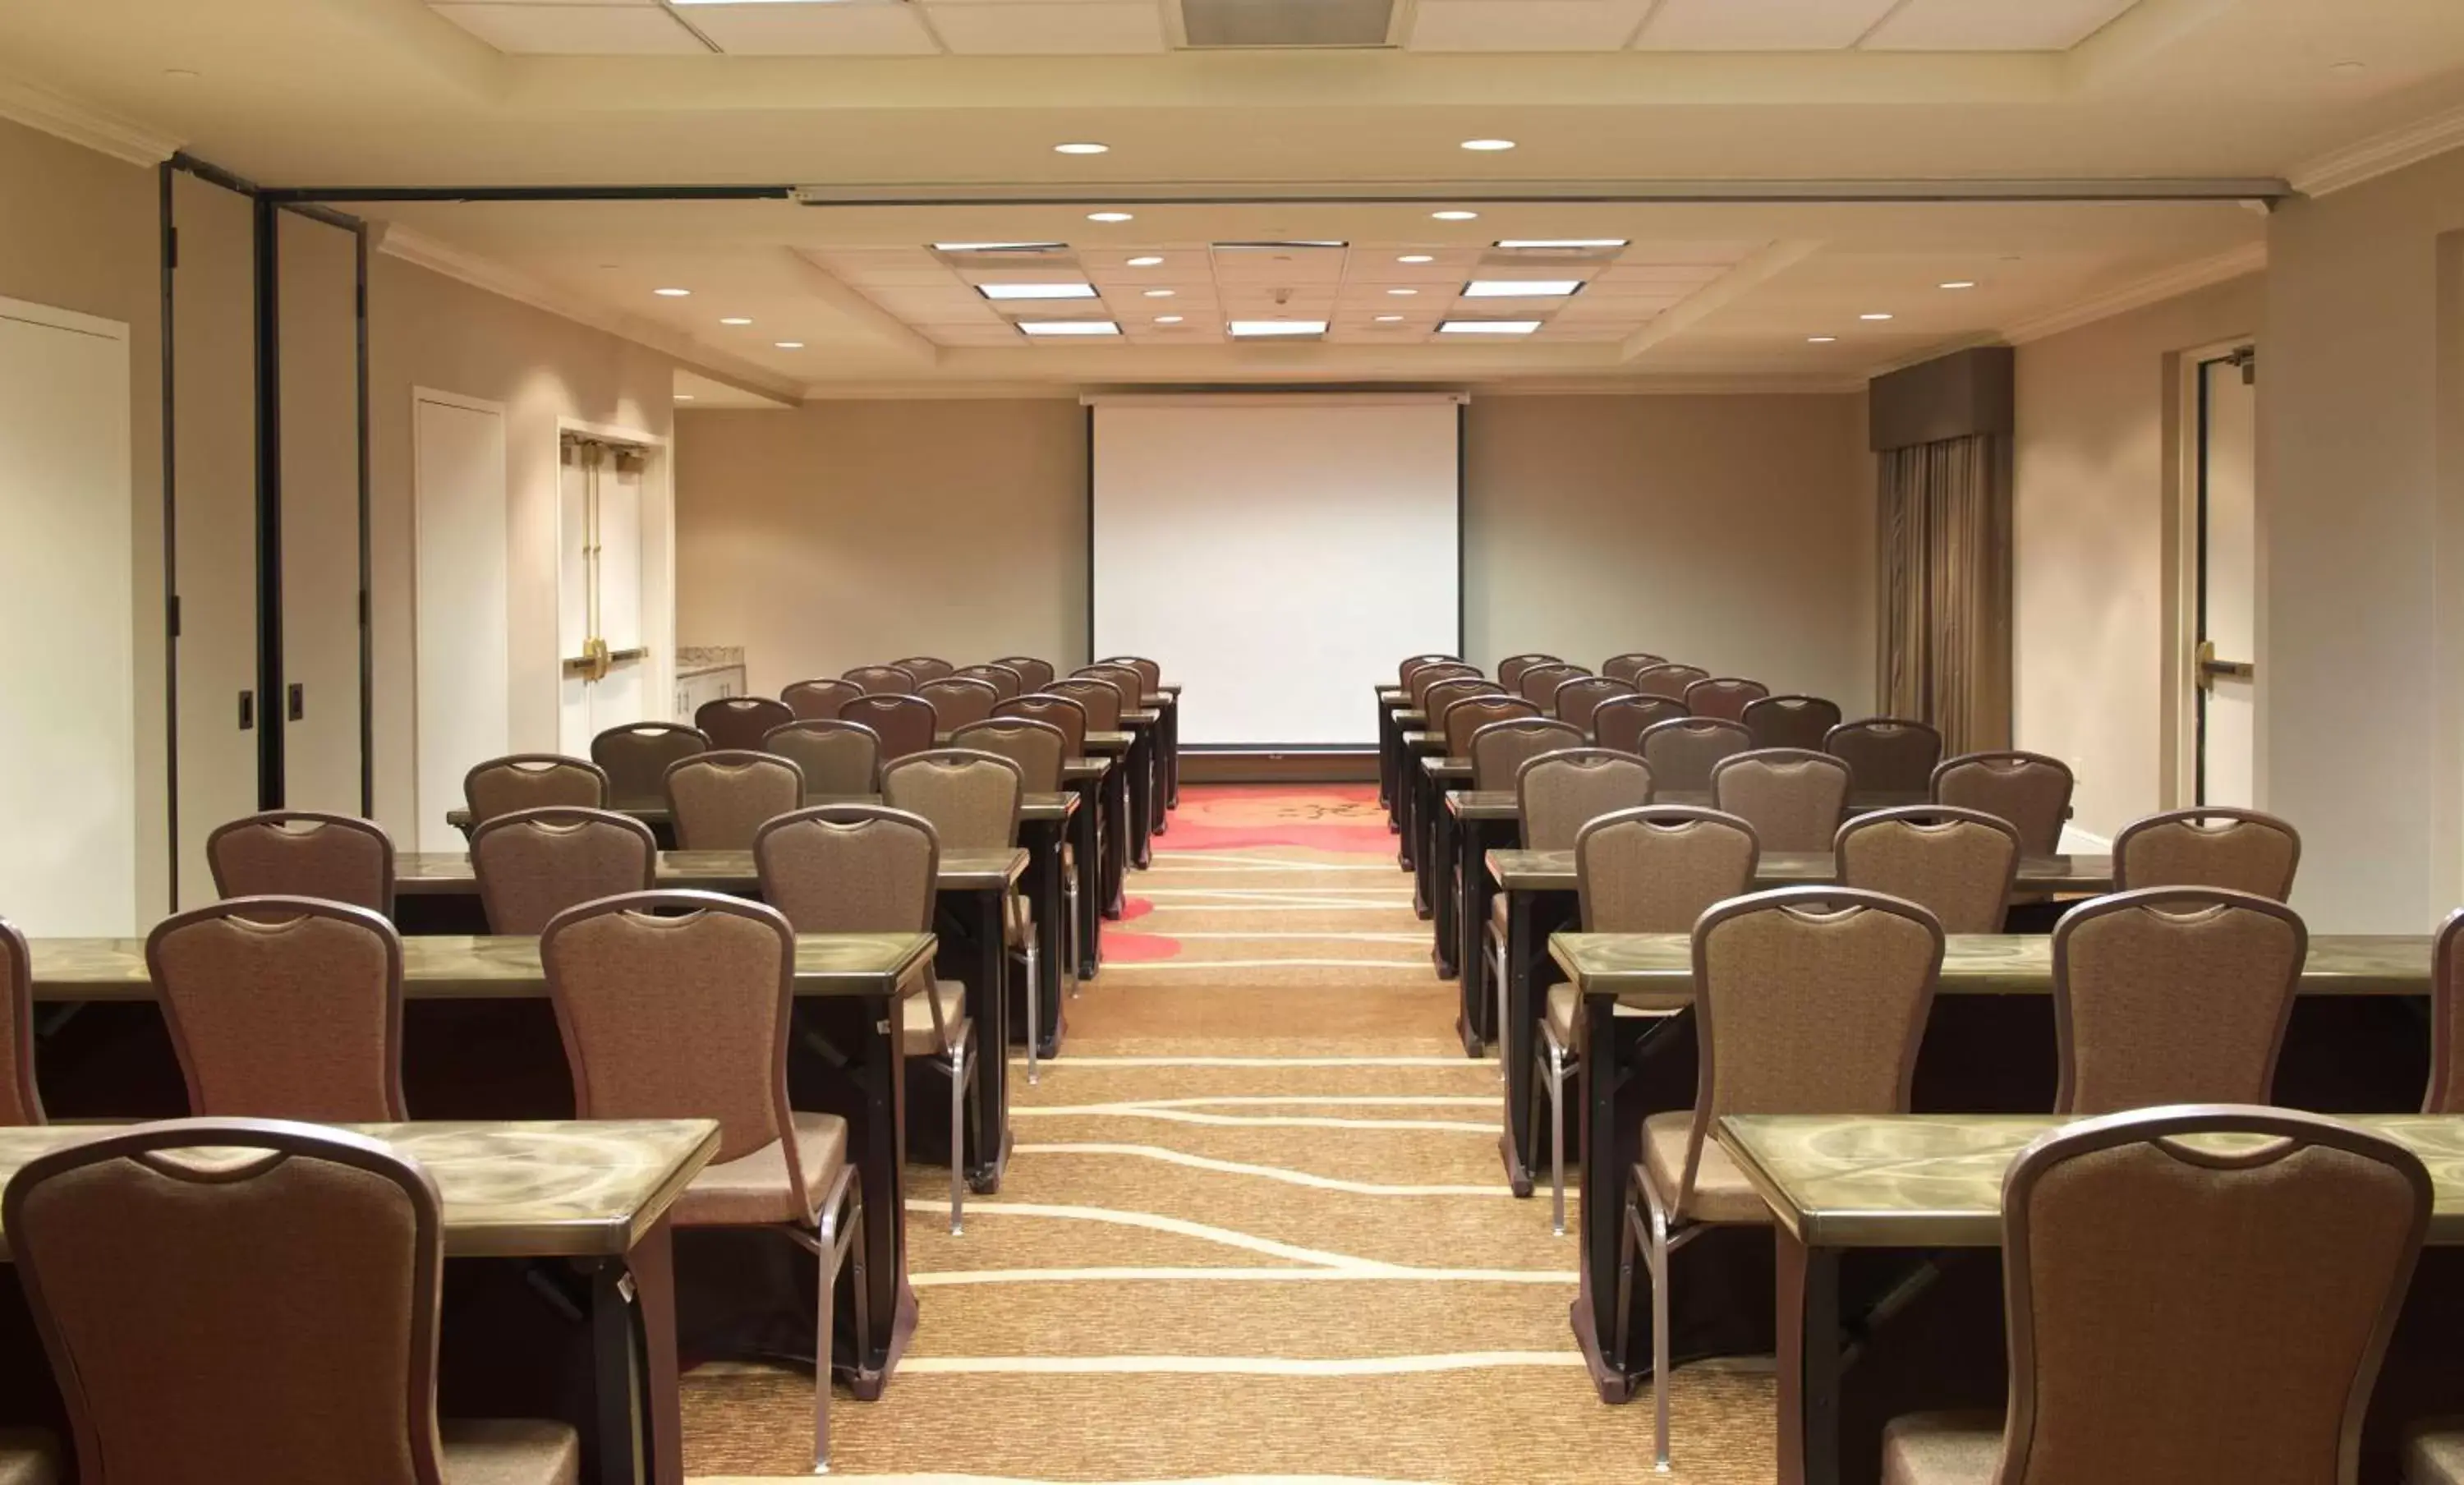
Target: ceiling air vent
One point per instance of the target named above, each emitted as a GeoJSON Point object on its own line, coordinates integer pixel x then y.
{"type": "Point", "coordinates": [1287, 23]}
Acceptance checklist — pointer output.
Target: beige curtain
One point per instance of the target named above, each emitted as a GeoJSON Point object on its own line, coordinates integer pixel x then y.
{"type": "Point", "coordinates": [1946, 590]}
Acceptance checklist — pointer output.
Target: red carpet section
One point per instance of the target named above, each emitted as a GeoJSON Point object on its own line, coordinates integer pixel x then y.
{"type": "Point", "coordinates": [1332, 817]}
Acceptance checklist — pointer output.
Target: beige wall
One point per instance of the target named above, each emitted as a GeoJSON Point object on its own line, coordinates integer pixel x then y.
{"type": "Point", "coordinates": [2095, 470]}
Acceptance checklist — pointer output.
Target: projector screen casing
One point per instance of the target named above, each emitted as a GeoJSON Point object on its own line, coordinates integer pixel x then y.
{"type": "Point", "coordinates": [1276, 555]}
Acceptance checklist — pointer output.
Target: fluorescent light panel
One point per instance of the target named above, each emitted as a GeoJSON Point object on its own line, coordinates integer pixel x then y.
{"type": "Point", "coordinates": [1262, 247]}
{"type": "Point", "coordinates": [1558, 244]}
{"type": "Point", "coordinates": [1093, 327]}
{"type": "Point", "coordinates": [986, 247]}
{"type": "Point", "coordinates": [1489, 327]}
{"type": "Point", "coordinates": [1268, 329]}
{"type": "Point", "coordinates": [1036, 291]}
{"type": "Point", "coordinates": [1521, 288]}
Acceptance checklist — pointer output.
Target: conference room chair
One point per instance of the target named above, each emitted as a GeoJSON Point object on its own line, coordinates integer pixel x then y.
{"type": "Point", "coordinates": [834, 757]}
{"type": "Point", "coordinates": [1539, 683]}
{"type": "Point", "coordinates": [532, 781]}
{"type": "Point", "coordinates": [1004, 681]}
{"type": "Point", "coordinates": [2173, 995]}
{"type": "Point", "coordinates": [1808, 1000]}
{"type": "Point", "coordinates": [635, 758]}
{"type": "Point", "coordinates": [21, 1099]}
{"type": "Point", "coordinates": [1066, 712]}
{"type": "Point", "coordinates": [820, 701]}
{"type": "Point", "coordinates": [1683, 751]}
{"type": "Point", "coordinates": [866, 868]}
{"type": "Point", "coordinates": [739, 723]}
{"type": "Point", "coordinates": [2446, 1005]}
{"type": "Point", "coordinates": [1500, 746]}
{"type": "Point", "coordinates": [1407, 671]}
{"type": "Point", "coordinates": [958, 700]}
{"type": "Point", "coordinates": [533, 864]}
{"type": "Point", "coordinates": [1510, 671]}
{"type": "Point", "coordinates": [1464, 715]}
{"type": "Point", "coordinates": [2169, 1316]}
{"type": "Point", "coordinates": [1131, 680]}
{"type": "Point", "coordinates": [283, 1008]}
{"type": "Point", "coordinates": [1792, 798]}
{"type": "Point", "coordinates": [1040, 750]}
{"type": "Point", "coordinates": [1956, 864]}
{"type": "Point", "coordinates": [1033, 673]}
{"type": "Point", "coordinates": [905, 724]}
{"type": "Point", "coordinates": [1101, 699]}
{"type": "Point", "coordinates": [1790, 721]}
{"type": "Point", "coordinates": [924, 667]}
{"type": "Point", "coordinates": [1887, 754]}
{"type": "Point", "coordinates": [304, 853]}
{"type": "Point", "coordinates": [2213, 847]}
{"type": "Point", "coordinates": [973, 801]}
{"type": "Point", "coordinates": [1557, 793]}
{"type": "Point", "coordinates": [676, 1005]}
{"type": "Point", "coordinates": [1627, 666]}
{"type": "Point", "coordinates": [1443, 696]}
{"type": "Point", "coordinates": [1668, 680]}
{"type": "Point", "coordinates": [1429, 676]}
{"type": "Point", "coordinates": [1621, 722]}
{"type": "Point", "coordinates": [1726, 696]}
{"type": "Point", "coordinates": [2028, 789]}
{"type": "Point", "coordinates": [882, 680]}
{"type": "Point", "coordinates": [1578, 697]}
{"type": "Point", "coordinates": [719, 800]}
{"type": "Point", "coordinates": [272, 1316]}
{"type": "Point", "coordinates": [1150, 671]}
{"type": "Point", "coordinates": [1653, 870]}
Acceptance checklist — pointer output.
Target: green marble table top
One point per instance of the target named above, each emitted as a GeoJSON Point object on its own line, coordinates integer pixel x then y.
{"type": "Point", "coordinates": [1030, 806]}
{"type": "Point", "coordinates": [1499, 804]}
{"type": "Point", "coordinates": [1411, 719]}
{"type": "Point", "coordinates": [1935, 1180]}
{"type": "Point", "coordinates": [1141, 718]}
{"type": "Point", "coordinates": [1108, 741]}
{"type": "Point", "coordinates": [1446, 771]}
{"type": "Point", "coordinates": [418, 874]}
{"type": "Point", "coordinates": [1553, 871]}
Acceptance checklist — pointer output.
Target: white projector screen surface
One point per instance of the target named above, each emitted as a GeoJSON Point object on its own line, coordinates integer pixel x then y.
{"type": "Point", "coordinates": [1276, 555]}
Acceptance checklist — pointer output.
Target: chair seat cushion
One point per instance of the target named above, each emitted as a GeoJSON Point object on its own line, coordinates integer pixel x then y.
{"type": "Point", "coordinates": [1018, 920]}
{"type": "Point", "coordinates": [1566, 1009]}
{"type": "Point", "coordinates": [917, 1028]}
{"type": "Point", "coordinates": [29, 1457]}
{"type": "Point", "coordinates": [1942, 1449]}
{"type": "Point", "coordinates": [1722, 1193]}
{"type": "Point", "coordinates": [509, 1452]}
{"type": "Point", "coordinates": [2434, 1453]}
{"type": "Point", "coordinates": [752, 1190]}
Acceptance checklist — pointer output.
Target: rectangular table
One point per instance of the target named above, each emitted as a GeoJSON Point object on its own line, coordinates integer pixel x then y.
{"type": "Point", "coordinates": [1114, 746]}
{"type": "Point", "coordinates": [1144, 727]}
{"type": "Point", "coordinates": [2358, 1042]}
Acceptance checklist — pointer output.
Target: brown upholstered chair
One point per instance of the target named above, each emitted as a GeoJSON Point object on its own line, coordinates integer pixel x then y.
{"type": "Point", "coordinates": [1682, 752]}
{"type": "Point", "coordinates": [1886, 753]}
{"type": "Point", "coordinates": [1004, 681]}
{"type": "Point", "coordinates": [532, 781]}
{"type": "Point", "coordinates": [1578, 697]}
{"type": "Point", "coordinates": [1033, 673]}
{"type": "Point", "coordinates": [1446, 693]}
{"type": "Point", "coordinates": [676, 1005]}
{"type": "Point", "coordinates": [1621, 722]}
{"type": "Point", "coordinates": [866, 868]}
{"type": "Point", "coordinates": [1510, 671]}
{"type": "Point", "coordinates": [905, 724]}
{"type": "Point", "coordinates": [21, 1101]}
{"type": "Point", "coordinates": [1557, 793]}
{"type": "Point", "coordinates": [1790, 721]}
{"type": "Point", "coordinates": [1499, 749]}
{"type": "Point", "coordinates": [739, 723]}
{"type": "Point", "coordinates": [2446, 1018]}
{"type": "Point", "coordinates": [1724, 697]}
{"type": "Point", "coordinates": [1653, 870]}
{"type": "Point", "coordinates": [1040, 749]}
{"type": "Point", "coordinates": [635, 758]}
{"type": "Point", "coordinates": [1668, 680]}
{"type": "Point", "coordinates": [1131, 680]}
{"type": "Point", "coordinates": [1627, 666]}
{"type": "Point", "coordinates": [2028, 789]}
{"type": "Point", "coordinates": [1539, 683]}
{"type": "Point", "coordinates": [2173, 995]}
{"type": "Point", "coordinates": [1428, 675]}
{"type": "Point", "coordinates": [1066, 712]}
{"type": "Point", "coordinates": [1809, 1000]}
{"type": "Point", "coordinates": [2180, 1308]}
{"type": "Point", "coordinates": [1150, 672]}
{"type": "Point", "coordinates": [1464, 716]}
{"type": "Point", "coordinates": [1411, 667]}
{"type": "Point", "coordinates": [959, 700]}
{"type": "Point", "coordinates": [1794, 798]}
{"type": "Point", "coordinates": [283, 1008]}
{"type": "Point", "coordinates": [2240, 849]}
{"type": "Point", "coordinates": [883, 679]}
{"type": "Point", "coordinates": [834, 757]}
{"type": "Point", "coordinates": [719, 799]}
{"type": "Point", "coordinates": [925, 667]}
{"type": "Point", "coordinates": [302, 853]}
{"type": "Point", "coordinates": [1101, 699]}
{"type": "Point", "coordinates": [973, 801]}
{"type": "Point", "coordinates": [1956, 864]}
{"type": "Point", "coordinates": [533, 864]}
{"type": "Point", "coordinates": [820, 701]}
{"type": "Point", "coordinates": [272, 1317]}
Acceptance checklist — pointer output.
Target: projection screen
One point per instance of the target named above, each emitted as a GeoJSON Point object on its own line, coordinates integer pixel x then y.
{"type": "Point", "coordinates": [1277, 555]}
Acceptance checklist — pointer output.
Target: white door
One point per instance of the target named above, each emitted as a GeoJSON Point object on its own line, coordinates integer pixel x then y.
{"type": "Point", "coordinates": [68, 750]}
{"type": "Point", "coordinates": [599, 590]}
{"type": "Point", "coordinates": [2227, 579]}
{"type": "Point", "coordinates": [463, 706]}
{"type": "Point", "coordinates": [320, 516]}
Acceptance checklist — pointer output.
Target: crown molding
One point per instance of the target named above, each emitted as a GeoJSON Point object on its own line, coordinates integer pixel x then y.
{"type": "Point", "coordinates": [2248, 258]}
{"type": "Point", "coordinates": [38, 107]}
{"type": "Point", "coordinates": [1529, 386]}
{"type": "Point", "coordinates": [2381, 154]}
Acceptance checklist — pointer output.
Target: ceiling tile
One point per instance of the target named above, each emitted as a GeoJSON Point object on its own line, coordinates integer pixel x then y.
{"type": "Point", "coordinates": [1994, 25]}
{"type": "Point", "coordinates": [1034, 28]}
{"type": "Point", "coordinates": [1524, 25]}
{"type": "Point", "coordinates": [573, 30]}
{"type": "Point", "coordinates": [760, 29]}
{"type": "Point", "coordinates": [1760, 25]}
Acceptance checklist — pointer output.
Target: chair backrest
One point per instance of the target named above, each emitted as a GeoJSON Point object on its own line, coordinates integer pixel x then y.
{"type": "Point", "coordinates": [1499, 749]}
{"type": "Point", "coordinates": [1150, 671]}
{"type": "Point", "coordinates": [820, 701]}
{"type": "Point", "coordinates": [1957, 864]}
{"type": "Point", "coordinates": [883, 679]}
{"type": "Point", "coordinates": [1101, 699]}
{"type": "Point", "coordinates": [283, 1008]}
{"type": "Point", "coordinates": [925, 667]}
{"type": "Point", "coordinates": [302, 853]}
{"type": "Point", "coordinates": [1621, 722]}
{"type": "Point", "coordinates": [959, 700]}
{"type": "Point", "coordinates": [1539, 683]}
{"type": "Point", "coordinates": [1794, 798]}
{"type": "Point", "coordinates": [1790, 721]}
{"type": "Point", "coordinates": [1033, 674]}
{"type": "Point", "coordinates": [535, 863]}
{"type": "Point", "coordinates": [1510, 671]}
{"type": "Point", "coordinates": [1668, 680]}
{"type": "Point", "coordinates": [718, 800]}
{"type": "Point", "coordinates": [1658, 869]}
{"type": "Point", "coordinates": [2173, 995]}
{"type": "Point", "coordinates": [1887, 754]}
{"type": "Point", "coordinates": [674, 1005]}
{"type": "Point", "coordinates": [972, 798]}
{"type": "Point", "coordinates": [834, 757]}
{"type": "Point", "coordinates": [2181, 1308]}
{"type": "Point", "coordinates": [2028, 789]}
{"type": "Point", "coordinates": [1627, 666]}
{"type": "Point", "coordinates": [1724, 697]}
{"type": "Point", "coordinates": [1445, 693]}
{"type": "Point", "coordinates": [1428, 675]}
{"type": "Point", "coordinates": [1557, 793]}
{"type": "Point", "coordinates": [904, 723]}
{"type": "Point", "coordinates": [849, 869]}
{"type": "Point", "coordinates": [1005, 681]}
{"type": "Point", "coordinates": [1129, 677]}
{"type": "Point", "coordinates": [532, 781]}
{"type": "Point", "coordinates": [2240, 849]}
{"type": "Point", "coordinates": [1684, 750]}
{"type": "Point", "coordinates": [1066, 712]}
{"type": "Point", "coordinates": [269, 1317]}
{"type": "Point", "coordinates": [1039, 749]}
{"type": "Point", "coordinates": [739, 722]}
{"type": "Point", "coordinates": [1578, 697]}
{"type": "Point", "coordinates": [2446, 1018]}
{"type": "Point", "coordinates": [1404, 672]}
{"type": "Point", "coordinates": [1464, 714]}
{"type": "Point", "coordinates": [21, 1101]}
{"type": "Point", "coordinates": [635, 758]}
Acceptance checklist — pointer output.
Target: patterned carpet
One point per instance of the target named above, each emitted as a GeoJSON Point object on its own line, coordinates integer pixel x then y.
{"type": "Point", "coordinates": [1255, 1228]}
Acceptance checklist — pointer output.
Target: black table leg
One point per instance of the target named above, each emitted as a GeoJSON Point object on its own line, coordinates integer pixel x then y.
{"type": "Point", "coordinates": [1042, 840]}
{"type": "Point", "coordinates": [984, 955]}
{"type": "Point", "coordinates": [1445, 845]}
{"type": "Point", "coordinates": [846, 1059]}
{"type": "Point", "coordinates": [1477, 1021]}
{"type": "Point", "coordinates": [1141, 764]}
{"type": "Point", "coordinates": [1809, 1363]}
{"type": "Point", "coordinates": [1086, 824]}
{"type": "Point", "coordinates": [1167, 761]}
{"type": "Point", "coordinates": [616, 1363]}
{"type": "Point", "coordinates": [1387, 771]}
{"type": "Point", "coordinates": [1531, 917]}
{"type": "Point", "coordinates": [1117, 836]}
{"type": "Point", "coordinates": [1407, 808]}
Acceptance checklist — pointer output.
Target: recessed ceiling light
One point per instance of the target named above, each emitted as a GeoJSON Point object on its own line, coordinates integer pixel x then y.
{"type": "Point", "coordinates": [1168, 318]}
{"type": "Point", "coordinates": [2347, 69]}
{"type": "Point", "coordinates": [1082, 147]}
{"type": "Point", "coordinates": [999, 246]}
{"type": "Point", "coordinates": [1069, 327]}
{"type": "Point", "coordinates": [1821, 339]}
{"type": "Point", "coordinates": [1147, 260]}
{"type": "Point", "coordinates": [683, 396]}
{"type": "Point", "coordinates": [1488, 144]}
{"type": "Point", "coordinates": [1488, 326]}
{"type": "Point", "coordinates": [1520, 288]}
{"type": "Point", "coordinates": [1873, 316]}
{"type": "Point", "coordinates": [672, 294]}
{"type": "Point", "coordinates": [1107, 216]}
{"type": "Point", "coordinates": [788, 344]}
{"type": "Point", "coordinates": [1415, 257]}
{"type": "Point", "coordinates": [734, 320]}
{"type": "Point", "coordinates": [1559, 244]}
{"type": "Point", "coordinates": [1388, 319]}
{"type": "Point", "coordinates": [1161, 294]}
{"type": "Point", "coordinates": [1036, 291]}
{"type": "Point", "coordinates": [1456, 216]}
{"type": "Point", "coordinates": [1960, 284]}
{"type": "Point", "coordinates": [1264, 329]}
{"type": "Point", "coordinates": [181, 74]}
{"type": "Point", "coordinates": [1402, 293]}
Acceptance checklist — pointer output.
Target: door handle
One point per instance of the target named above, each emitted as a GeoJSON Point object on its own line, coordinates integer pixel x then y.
{"type": "Point", "coordinates": [2212, 670]}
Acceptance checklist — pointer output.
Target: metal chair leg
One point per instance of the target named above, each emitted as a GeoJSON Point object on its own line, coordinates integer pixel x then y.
{"type": "Point", "coordinates": [1497, 972]}
{"type": "Point", "coordinates": [824, 1322]}
{"type": "Point", "coordinates": [1034, 1009]}
{"type": "Point", "coordinates": [1557, 1134]}
{"type": "Point", "coordinates": [958, 1138]}
{"type": "Point", "coordinates": [1660, 1368]}
{"type": "Point", "coordinates": [1077, 951]}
